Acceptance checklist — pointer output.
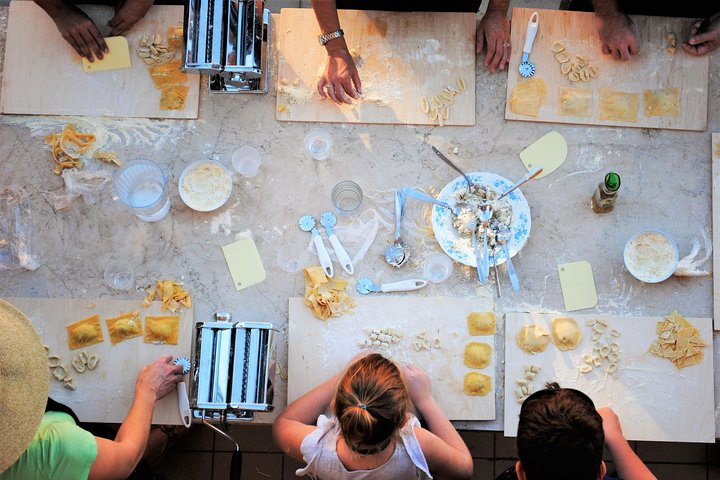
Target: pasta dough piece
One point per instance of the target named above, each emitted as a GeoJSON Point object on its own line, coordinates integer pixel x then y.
{"type": "Point", "coordinates": [662, 102]}
{"type": "Point", "coordinates": [618, 106]}
{"type": "Point", "coordinates": [477, 355]}
{"type": "Point", "coordinates": [123, 327]}
{"type": "Point", "coordinates": [566, 333]}
{"type": "Point", "coordinates": [575, 101]}
{"type": "Point", "coordinates": [562, 57]}
{"type": "Point", "coordinates": [481, 323]}
{"type": "Point", "coordinates": [557, 47]}
{"type": "Point", "coordinates": [162, 329]}
{"type": "Point", "coordinates": [533, 339]}
{"type": "Point", "coordinates": [565, 68]}
{"type": "Point", "coordinates": [477, 384]}
{"type": "Point", "coordinates": [528, 96]}
{"type": "Point", "coordinates": [84, 332]}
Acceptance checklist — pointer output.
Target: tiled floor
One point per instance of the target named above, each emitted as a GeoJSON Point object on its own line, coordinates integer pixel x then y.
{"type": "Point", "coordinates": [202, 454]}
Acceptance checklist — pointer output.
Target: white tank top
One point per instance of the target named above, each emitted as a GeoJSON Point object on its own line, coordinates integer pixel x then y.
{"type": "Point", "coordinates": [319, 452]}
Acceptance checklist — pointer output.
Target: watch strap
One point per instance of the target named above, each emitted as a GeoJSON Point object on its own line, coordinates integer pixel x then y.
{"type": "Point", "coordinates": [326, 37]}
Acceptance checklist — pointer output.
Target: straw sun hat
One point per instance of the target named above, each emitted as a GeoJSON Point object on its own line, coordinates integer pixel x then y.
{"type": "Point", "coordinates": [24, 383]}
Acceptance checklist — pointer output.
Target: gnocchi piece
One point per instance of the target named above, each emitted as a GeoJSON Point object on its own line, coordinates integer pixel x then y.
{"type": "Point", "coordinates": [60, 372]}
{"type": "Point", "coordinates": [574, 77]}
{"type": "Point", "coordinates": [557, 47]}
{"type": "Point", "coordinates": [562, 57]}
{"type": "Point", "coordinates": [68, 383]}
{"type": "Point", "coordinates": [565, 68]}
{"type": "Point", "coordinates": [53, 361]}
{"type": "Point", "coordinates": [78, 365]}
{"type": "Point", "coordinates": [585, 368]}
{"type": "Point", "coordinates": [93, 361]}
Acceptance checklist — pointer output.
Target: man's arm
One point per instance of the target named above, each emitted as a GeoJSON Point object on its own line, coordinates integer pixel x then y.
{"type": "Point", "coordinates": [493, 35]}
{"type": "Point", "coordinates": [118, 458]}
{"type": "Point", "coordinates": [341, 79]}
{"type": "Point", "coordinates": [704, 36]}
{"type": "Point", "coordinates": [76, 28]}
{"type": "Point", "coordinates": [629, 465]}
{"type": "Point", "coordinates": [615, 30]}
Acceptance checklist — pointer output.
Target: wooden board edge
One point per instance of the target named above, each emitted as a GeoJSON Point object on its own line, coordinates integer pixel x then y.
{"type": "Point", "coordinates": [715, 220]}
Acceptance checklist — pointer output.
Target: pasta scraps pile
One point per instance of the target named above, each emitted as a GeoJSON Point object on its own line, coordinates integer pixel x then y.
{"type": "Point", "coordinates": [326, 297]}
{"type": "Point", "coordinates": [68, 146]}
{"type": "Point", "coordinates": [171, 294]}
{"type": "Point", "coordinates": [678, 341]}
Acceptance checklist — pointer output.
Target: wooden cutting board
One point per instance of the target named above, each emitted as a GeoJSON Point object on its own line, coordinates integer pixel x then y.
{"type": "Point", "coordinates": [654, 400]}
{"type": "Point", "coordinates": [106, 393]}
{"type": "Point", "coordinates": [654, 68]}
{"type": "Point", "coordinates": [402, 57]}
{"type": "Point", "coordinates": [716, 226]}
{"type": "Point", "coordinates": [43, 75]}
{"type": "Point", "coordinates": [319, 349]}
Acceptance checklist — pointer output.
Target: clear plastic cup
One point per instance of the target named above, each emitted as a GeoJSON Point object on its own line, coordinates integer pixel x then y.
{"type": "Point", "coordinates": [119, 275]}
{"type": "Point", "coordinates": [141, 185]}
{"type": "Point", "coordinates": [346, 196]}
{"type": "Point", "coordinates": [437, 267]}
{"type": "Point", "coordinates": [293, 258]}
{"type": "Point", "coordinates": [318, 143]}
{"type": "Point", "coordinates": [246, 161]}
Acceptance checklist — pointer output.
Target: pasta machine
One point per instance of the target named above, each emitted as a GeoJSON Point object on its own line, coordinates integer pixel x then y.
{"type": "Point", "coordinates": [233, 369]}
{"type": "Point", "coordinates": [227, 40]}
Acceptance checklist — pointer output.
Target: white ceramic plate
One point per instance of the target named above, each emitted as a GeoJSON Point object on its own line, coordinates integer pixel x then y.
{"type": "Point", "coordinates": [462, 251]}
{"type": "Point", "coordinates": [205, 185]}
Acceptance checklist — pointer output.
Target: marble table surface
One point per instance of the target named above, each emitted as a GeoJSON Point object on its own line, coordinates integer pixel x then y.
{"type": "Point", "coordinates": [665, 184]}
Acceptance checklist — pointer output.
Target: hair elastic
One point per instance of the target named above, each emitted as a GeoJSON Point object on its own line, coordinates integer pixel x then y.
{"type": "Point", "coordinates": [362, 405]}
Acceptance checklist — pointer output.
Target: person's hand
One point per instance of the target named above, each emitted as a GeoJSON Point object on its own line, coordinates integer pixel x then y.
{"type": "Point", "coordinates": [160, 377]}
{"type": "Point", "coordinates": [419, 385]}
{"type": "Point", "coordinates": [127, 14]}
{"type": "Point", "coordinates": [80, 32]}
{"type": "Point", "coordinates": [340, 80]}
{"type": "Point", "coordinates": [611, 425]}
{"type": "Point", "coordinates": [616, 35]}
{"type": "Point", "coordinates": [704, 42]}
{"type": "Point", "coordinates": [493, 35]}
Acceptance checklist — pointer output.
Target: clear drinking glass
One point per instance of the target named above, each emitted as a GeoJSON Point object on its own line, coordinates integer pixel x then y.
{"type": "Point", "coordinates": [318, 142]}
{"type": "Point", "coordinates": [119, 275]}
{"type": "Point", "coordinates": [347, 196]}
{"type": "Point", "coordinates": [141, 185]}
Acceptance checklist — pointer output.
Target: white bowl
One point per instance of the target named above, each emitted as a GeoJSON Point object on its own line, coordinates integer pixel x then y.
{"type": "Point", "coordinates": [205, 185]}
{"type": "Point", "coordinates": [651, 256]}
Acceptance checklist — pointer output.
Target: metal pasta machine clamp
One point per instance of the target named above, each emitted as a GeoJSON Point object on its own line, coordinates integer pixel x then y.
{"type": "Point", "coordinates": [227, 40]}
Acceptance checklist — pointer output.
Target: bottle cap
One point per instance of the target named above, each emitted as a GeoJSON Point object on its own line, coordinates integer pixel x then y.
{"type": "Point", "coordinates": [612, 181]}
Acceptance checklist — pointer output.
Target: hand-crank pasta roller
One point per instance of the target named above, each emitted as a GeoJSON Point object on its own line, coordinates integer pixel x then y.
{"type": "Point", "coordinates": [527, 68]}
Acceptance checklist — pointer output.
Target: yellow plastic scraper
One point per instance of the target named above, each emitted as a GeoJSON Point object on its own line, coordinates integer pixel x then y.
{"type": "Point", "coordinates": [578, 285]}
{"type": "Point", "coordinates": [244, 262]}
{"type": "Point", "coordinates": [550, 151]}
{"type": "Point", "coordinates": [118, 56]}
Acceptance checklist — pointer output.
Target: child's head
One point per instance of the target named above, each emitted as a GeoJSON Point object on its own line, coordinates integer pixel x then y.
{"type": "Point", "coordinates": [560, 436]}
{"type": "Point", "coordinates": [371, 403]}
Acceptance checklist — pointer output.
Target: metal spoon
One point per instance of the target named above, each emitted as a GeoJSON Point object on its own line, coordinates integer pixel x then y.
{"type": "Point", "coordinates": [455, 209]}
{"type": "Point", "coordinates": [529, 176]}
{"type": "Point", "coordinates": [329, 220]}
{"type": "Point", "coordinates": [397, 252]}
{"type": "Point", "coordinates": [365, 286]}
{"type": "Point", "coordinates": [485, 214]}
{"type": "Point", "coordinates": [503, 237]}
{"type": "Point", "coordinates": [451, 164]}
{"type": "Point", "coordinates": [495, 255]}
{"type": "Point", "coordinates": [478, 260]}
{"type": "Point", "coordinates": [307, 224]}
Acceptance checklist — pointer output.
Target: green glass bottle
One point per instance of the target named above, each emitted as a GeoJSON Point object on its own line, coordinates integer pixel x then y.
{"type": "Point", "coordinates": [603, 200]}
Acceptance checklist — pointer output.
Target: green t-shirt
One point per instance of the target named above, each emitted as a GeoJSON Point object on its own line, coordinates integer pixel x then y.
{"type": "Point", "coordinates": [59, 450]}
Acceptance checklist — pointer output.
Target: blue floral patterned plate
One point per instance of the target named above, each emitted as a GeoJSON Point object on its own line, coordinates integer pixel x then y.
{"type": "Point", "coordinates": [461, 249]}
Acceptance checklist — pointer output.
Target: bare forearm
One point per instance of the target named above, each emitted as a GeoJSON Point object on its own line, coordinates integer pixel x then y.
{"type": "Point", "coordinates": [327, 17]}
{"type": "Point", "coordinates": [135, 430]}
{"type": "Point", "coordinates": [498, 5]}
{"type": "Point", "coordinates": [52, 7]}
{"type": "Point", "coordinates": [310, 406]}
{"type": "Point", "coordinates": [629, 465]}
{"type": "Point", "coordinates": [439, 424]}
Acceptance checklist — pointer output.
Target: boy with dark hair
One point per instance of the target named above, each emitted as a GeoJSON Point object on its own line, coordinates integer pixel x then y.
{"type": "Point", "coordinates": [561, 437]}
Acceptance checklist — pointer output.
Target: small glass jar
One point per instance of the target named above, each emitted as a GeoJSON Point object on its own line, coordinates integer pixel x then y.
{"type": "Point", "coordinates": [603, 200]}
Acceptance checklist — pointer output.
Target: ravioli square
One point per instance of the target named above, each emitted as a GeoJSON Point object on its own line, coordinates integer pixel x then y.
{"type": "Point", "coordinates": [124, 327]}
{"type": "Point", "coordinates": [662, 102]}
{"type": "Point", "coordinates": [481, 323]}
{"type": "Point", "coordinates": [575, 101]}
{"type": "Point", "coordinates": [477, 384]}
{"type": "Point", "coordinates": [162, 330]}
{"type": "Point", "coordinates": [618, 106]}
{"type": "Point", "coordinates": [84, 333]}
{"type": "Point", "coordinates": [477, 355]}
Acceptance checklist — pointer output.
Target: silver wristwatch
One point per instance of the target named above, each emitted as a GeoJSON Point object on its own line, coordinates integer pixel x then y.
{"type": "Point", "coordinates": [326, 37]}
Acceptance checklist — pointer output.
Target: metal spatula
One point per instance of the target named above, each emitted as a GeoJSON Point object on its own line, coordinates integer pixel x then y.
{"type": "Point", "coordinates": [527, 68]}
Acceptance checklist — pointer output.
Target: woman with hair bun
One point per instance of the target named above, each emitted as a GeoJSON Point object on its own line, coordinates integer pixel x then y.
{"type": "Point", "coordinates": [371, 432]}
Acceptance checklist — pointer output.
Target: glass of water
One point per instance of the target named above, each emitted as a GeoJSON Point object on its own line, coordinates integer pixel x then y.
{"type": "Point", "coordinates": [318, 143]}
{"type": "Point", "coordinates": [141, 185]}
{"type": "Point", "coordinates": [119, 275]}
{"type": "Point", "coordinates": [346, 196]}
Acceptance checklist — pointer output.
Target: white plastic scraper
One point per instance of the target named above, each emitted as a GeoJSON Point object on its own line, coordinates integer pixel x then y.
{"type": "Point", "coordinates": [550, 151]}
